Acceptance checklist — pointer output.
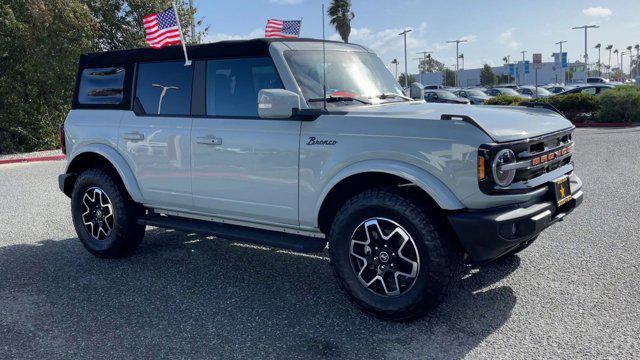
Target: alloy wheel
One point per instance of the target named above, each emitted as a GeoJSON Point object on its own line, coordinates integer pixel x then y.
{"type": "Point", "coordinates": [97, 213]}
{"type": "Point", "coordinates": [384, 257]}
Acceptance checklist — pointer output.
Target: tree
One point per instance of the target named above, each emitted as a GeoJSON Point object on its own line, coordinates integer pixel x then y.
{"type": "Point", "coordinates": [40, 44]}
{"type": "Point", "coordinates": [120, 21]}
{"type": "Point", "coordinates": [487, 77]}
{"type": "Point", "coordinates": [429, 65]}
{"type": "Point", "coordinates": [341, 16]}
{"type": "Point", "coordinates": [449, 78]}
{"type": "Point", "coordinates": [411, 79]}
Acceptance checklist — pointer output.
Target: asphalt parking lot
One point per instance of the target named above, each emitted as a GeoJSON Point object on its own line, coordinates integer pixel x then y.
{"type": "Point", "coordinates": [575, 293]}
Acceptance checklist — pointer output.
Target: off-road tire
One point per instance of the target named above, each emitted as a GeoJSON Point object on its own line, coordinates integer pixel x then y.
{"type": "Point", "coordinates": [126, 234]}
{"type": "Point", "coordinates": [440, 261]}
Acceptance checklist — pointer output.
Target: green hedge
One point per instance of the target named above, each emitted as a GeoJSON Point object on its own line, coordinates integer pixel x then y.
{"type": "Point", "coordinates": [621, 104]}
{"type": "Point", "coordinates": [506, 100]}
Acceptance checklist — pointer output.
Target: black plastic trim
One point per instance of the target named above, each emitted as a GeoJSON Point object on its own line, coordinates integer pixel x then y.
{"type": "Point", "coordinates": [299, 243]}
{"type": "Point", "coordinates": [485, 235]}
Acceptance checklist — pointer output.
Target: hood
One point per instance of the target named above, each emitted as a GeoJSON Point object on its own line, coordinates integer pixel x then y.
{"type": "Point", "coordinates": [501, 123]}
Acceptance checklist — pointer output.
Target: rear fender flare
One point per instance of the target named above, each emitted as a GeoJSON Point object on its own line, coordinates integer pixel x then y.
{"type": "Point", "coordinates": [119, 163]}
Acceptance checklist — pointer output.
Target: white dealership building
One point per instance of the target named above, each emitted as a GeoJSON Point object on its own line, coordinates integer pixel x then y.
{"type": "Point", "coordinates": [549, 72]}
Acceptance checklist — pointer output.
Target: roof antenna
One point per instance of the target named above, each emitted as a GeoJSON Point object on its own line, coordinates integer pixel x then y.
{"type": "Point", "coordinates": [324, 64]}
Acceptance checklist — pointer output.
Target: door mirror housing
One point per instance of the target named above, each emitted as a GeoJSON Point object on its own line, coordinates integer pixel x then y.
{"type": "Point", "coordinates": [416, 91]}
{"type": "Point", "coordinates": [277, 103]}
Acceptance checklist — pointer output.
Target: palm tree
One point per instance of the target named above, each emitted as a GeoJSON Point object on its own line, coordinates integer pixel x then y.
{"type": "Point", "coordinates": [609, 47]}
{"type": "Point", "coordinates": [341, 16]}
{"type": "Point", "coordinates": [396, 62]}
{"type": "Point", "coordinates": [598, 46]}
{"type": "Point", "coordinates": [617, 57]}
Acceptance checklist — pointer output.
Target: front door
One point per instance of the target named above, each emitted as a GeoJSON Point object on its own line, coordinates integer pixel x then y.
{"type": "Point", "coordinates": [244, 167]}
{"type": "Point", "coordinates": [156, 138]}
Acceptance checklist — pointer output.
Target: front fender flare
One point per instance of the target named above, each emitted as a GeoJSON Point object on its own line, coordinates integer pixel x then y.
{"type": "Point", "coordinates": [438, 191]}
{"type": "Point", "coordinates": [119, 163]}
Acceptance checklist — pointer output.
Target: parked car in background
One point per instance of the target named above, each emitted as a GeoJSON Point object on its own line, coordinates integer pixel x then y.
{"type": "Point", "coordinates": [433, 87]}
{"type": "Point", "coordinates": [594, 89]}
{"type": "Point", "coordinates": [597, 80]}
{"type": "Point", "coordinates": [506, 91]}
{"type": "Point", "coordinates": [557, 89]}
{"type": "Point", "coordinates": [444, 96]}
{"type": "Point", "coordinates": [475, 96]}
{"type": "Point", "coordinates": [534, 92]}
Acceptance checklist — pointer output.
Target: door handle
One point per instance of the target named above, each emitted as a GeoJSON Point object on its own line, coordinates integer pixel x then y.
{"type": "Point", "coordinates": [209, 140]}
{"type": "Point", "coordinates": [135, 136]}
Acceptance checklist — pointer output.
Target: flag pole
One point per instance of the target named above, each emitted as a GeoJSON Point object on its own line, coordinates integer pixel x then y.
{"type": "Point", "coordinates": [187, 62]}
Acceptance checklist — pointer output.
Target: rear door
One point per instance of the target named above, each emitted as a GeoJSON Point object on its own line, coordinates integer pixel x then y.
{"type": "Point", "coordinates": [244, 167]}
{"type": "Point", "coordinates": [156, 138]}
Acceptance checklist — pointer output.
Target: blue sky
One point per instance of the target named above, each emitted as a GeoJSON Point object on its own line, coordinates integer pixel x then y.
{"type": "Point", "coordinates": [494, 28]}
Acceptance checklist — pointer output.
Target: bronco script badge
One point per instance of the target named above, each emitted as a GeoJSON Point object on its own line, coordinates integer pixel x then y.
{"type": "Point", "coordinates": [314, 141]}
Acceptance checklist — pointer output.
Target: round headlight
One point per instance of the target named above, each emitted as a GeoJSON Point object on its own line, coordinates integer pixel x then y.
{"type": "Point", "coordinates": [503, 178]}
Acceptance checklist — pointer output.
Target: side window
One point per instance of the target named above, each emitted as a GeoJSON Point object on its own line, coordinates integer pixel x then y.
{"type": "Point", "coordinates": [233, 85]}
{"type": "Point", "coordinates": [101, 86]}
{"type": "Point", "coordinates": [164, 88]}
{"type": "Point", "coordinates": [590, 91]}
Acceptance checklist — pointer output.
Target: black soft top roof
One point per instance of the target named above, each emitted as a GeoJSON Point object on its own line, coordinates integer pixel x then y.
{"type": "Point", "coordinates": [222, 49]}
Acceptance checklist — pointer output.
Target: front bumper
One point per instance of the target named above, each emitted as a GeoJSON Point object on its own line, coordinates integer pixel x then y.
{"type": "Point", "coordinates": [488, 234]}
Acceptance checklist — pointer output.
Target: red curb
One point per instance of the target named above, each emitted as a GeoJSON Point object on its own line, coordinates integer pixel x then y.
{"type": "Point", "coordinates": [33, 159]}
{"type": "Point", "coordinates": [603, 124]}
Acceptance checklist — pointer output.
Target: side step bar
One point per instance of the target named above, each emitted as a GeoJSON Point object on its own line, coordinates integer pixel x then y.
{"type": "Point", "coordinates": [294, 242]}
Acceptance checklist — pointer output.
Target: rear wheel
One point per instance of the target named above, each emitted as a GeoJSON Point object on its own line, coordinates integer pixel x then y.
{"type": "Point", "coordinates": [104, 216]}
{"type": "Point", "coordinates": [391, 255]}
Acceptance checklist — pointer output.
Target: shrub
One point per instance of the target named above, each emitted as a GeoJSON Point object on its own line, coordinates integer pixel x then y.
{"type": "Point", "coordinates": [507, 100]}
{"type": "Point", "coordinates": [621, 104]}
{"type": "Point", "coordinates": [575, 107]}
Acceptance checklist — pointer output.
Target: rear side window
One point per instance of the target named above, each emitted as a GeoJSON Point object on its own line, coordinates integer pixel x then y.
{"type": "Point", "coordinates": [164, 88]}
{"type": "Point", "coordinates": [101, 86]}
{"type": "Point", "coordinates": [233, 85]}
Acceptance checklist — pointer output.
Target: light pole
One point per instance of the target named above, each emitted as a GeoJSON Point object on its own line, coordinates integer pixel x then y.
{"type": "Point", "coordinates": [396, 62]}
{"type": "Point", "coordinates": [560, 58]}
{"type": "Point", "coordinates": [455, 83]}
{"type": "Point", "coordinates": [586, 47]}
{"type": "Point", "coordinates": [523, 52]}
{"type": "Point", "coordinates": [163, 93]}
{"type": "Point", "coordinates": [609, 47]}
{"type": "Point", "coordinates": [406, 66]}
{"type": "Point", "coordinates": [599, 46]}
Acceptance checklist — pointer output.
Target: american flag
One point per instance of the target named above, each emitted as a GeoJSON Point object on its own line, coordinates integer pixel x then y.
{"type": "Point", "coordinates": [283, 28]}
{"type": "Point", "coordinates": [162, 29]}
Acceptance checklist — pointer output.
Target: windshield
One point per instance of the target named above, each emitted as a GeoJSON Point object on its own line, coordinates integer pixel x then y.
{"type": "Point", "coordinates": [446, 95]}
{"type": "Point", "coordinates": [349, 75]}
{"type": "Point", "coordinates": [476, 93]}
{"type": "Point", "coordinates": [506, 91]}
{"type": "Point", "coordinates": [543, 91]}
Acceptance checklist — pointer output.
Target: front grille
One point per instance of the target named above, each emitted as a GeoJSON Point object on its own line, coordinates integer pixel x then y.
{"type": "Point", "coordinates": [544, 147]}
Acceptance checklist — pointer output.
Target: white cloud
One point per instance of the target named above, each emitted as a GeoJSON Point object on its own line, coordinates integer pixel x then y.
{"type": "Point", "coordinates": [256, 33]}
{"type": "Point", "coordinates": [507, 38]}
{"type": "Point", "coordinates": [597, 11]}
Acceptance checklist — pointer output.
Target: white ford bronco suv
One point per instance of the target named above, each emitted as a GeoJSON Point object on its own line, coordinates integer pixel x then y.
{"type": "Point", "coordinates": [243, 144]}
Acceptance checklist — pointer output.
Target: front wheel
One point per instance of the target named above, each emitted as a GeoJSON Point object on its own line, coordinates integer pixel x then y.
{"type": "Point", "coordinates": [104, 216]}
{"type": "Point", "coordinates": [391, 255]}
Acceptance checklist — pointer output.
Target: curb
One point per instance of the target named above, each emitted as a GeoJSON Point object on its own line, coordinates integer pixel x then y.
{"type": "Point", "coordinates": [33, 159]}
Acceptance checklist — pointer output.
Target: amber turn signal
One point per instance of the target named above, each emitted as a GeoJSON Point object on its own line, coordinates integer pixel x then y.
{"type": "Point", "coordinates": [481, 168]}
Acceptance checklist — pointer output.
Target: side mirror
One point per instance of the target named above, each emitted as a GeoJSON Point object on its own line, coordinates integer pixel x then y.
{"type": "Point", "coordinates": [277, 103]}
{"type": "Point", "coordinates": [416, 91]}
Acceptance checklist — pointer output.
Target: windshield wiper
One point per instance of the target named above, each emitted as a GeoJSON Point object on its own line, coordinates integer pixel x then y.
{"type": "Point", "coordinates": [332, 98]}
{"type": "Point", "coordinates": [393, 96]}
